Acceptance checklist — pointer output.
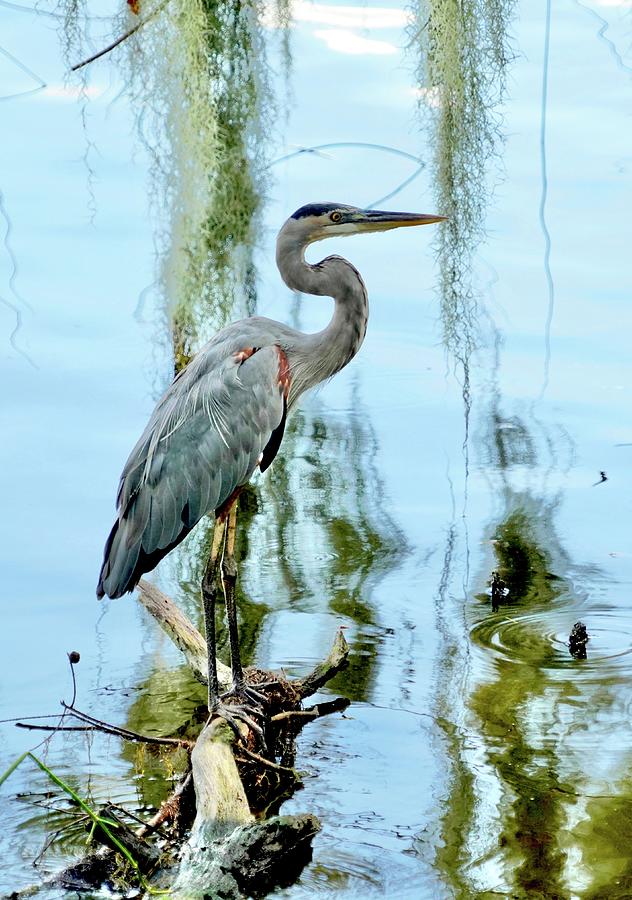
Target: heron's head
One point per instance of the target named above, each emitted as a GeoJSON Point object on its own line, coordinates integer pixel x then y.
{"type": "Point", "coordinates": [317, 221]}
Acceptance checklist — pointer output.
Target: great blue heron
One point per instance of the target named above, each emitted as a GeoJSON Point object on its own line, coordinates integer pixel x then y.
{"type": "Point", "coordinates": [224, 414]}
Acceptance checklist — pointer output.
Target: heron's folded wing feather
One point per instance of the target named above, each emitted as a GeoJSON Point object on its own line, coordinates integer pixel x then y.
{"type": "Point", "coordinates": [203, 441]}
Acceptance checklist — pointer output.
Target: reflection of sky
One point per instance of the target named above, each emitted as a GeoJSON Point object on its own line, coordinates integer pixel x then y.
{"type": "Point", "coordinates": [349, 26]}
{"type": "Point", "coordinates": [68, 424]}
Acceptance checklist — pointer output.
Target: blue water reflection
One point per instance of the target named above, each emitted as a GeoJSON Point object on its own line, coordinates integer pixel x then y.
{"type": "Point", "coordinates": [460, 716]}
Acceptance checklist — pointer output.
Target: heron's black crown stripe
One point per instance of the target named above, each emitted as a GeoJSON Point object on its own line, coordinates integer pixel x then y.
{"type": "Point", "coordinates": [315, 209]}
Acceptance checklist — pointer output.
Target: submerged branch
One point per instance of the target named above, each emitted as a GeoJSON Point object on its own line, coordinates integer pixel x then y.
{"type": "Point", "coordinates": [325, 671]}
{"type": "Point", "coordinates": [124, 733]}
{"type": "Point", "coordinates": [314, 712]}
{"type": "Point", "coordinates": [182, 632]}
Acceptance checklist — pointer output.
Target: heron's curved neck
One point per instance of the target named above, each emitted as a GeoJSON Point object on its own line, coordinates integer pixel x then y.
{"type": "Point", "coordinates": [323, 354]}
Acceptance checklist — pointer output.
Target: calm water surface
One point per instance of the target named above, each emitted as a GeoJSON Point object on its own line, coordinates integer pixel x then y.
{"type": "Point", "coordinates": [478, 757]}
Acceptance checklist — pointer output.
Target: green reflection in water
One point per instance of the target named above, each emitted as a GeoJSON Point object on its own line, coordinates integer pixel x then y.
{"type": "Point", "coordinates": [168, 703]}
{"type": "Point", "coordinates": [522, 564]}
{"type": "Point", "coordinates": [325, 522]}
{"type": "Point", "coordinates": [534, 807]}
{"type": "Point", "coordinates": [605, 836]}
{"type": "Point", "coordinates": [526, 766]}
{"type": "Point", "coordinates": [509, 792]}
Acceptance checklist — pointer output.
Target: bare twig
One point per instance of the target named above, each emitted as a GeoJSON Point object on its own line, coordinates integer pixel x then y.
{"type": "Point", "coordinates": [336, 661]}
{"type": "Point", "coordinates": [144, 826]}
{"type": "Point", "coordinates": [169, 809]}
{"type": "Point", "coordinates": [263, 761]}
{"type": "Point", "coordinates": [120, 39]}
{"type": "Point", "coordinates": [73, 659]}
{"type": "Point", "coordinates": [314, 712]}
{"type": "Point", "coordinates": [124, 732]}
{"type": "Point", "coordinates": [28, 727]}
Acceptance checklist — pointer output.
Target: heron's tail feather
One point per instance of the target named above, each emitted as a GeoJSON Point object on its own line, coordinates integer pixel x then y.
{"type": "Point", "coordinates": [125, 562]}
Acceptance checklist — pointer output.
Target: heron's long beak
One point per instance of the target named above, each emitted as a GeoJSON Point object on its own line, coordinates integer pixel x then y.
{"type": "Point", "coordinates": [379, 220]}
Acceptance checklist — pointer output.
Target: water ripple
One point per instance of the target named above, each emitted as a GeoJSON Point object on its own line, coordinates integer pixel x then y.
{"type": "Point", "coordinates": [540, 639]}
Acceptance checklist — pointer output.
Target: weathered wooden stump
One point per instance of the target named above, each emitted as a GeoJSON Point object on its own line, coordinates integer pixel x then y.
{"type": "Point", "coordinates": [232, 850]}
{"type": "Point", "coordinates": [228, 853]}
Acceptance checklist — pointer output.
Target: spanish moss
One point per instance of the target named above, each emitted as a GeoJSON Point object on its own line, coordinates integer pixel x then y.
{"type": "Point", "coordinates": [464, 48]}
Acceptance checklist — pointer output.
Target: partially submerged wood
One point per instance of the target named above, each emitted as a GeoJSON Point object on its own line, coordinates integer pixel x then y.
{"type": "Point", "coordinates": [182, 632]}
{"type": "Point", "coordinates": [220, 799]}
{"type": "Point", "coordinates": [146, 855]}
{"type": "Point", "coordinates": [325, 671]}
{"type": "Point", "coordinates": [228, 854]}
{"type": "Point", "coordinates": [250, 861]}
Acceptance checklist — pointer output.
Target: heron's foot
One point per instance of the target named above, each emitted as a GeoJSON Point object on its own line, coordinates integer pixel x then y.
{"type": "Point", "coordinates": [242, 703]}
{"type": "Point", "coordinates": [234, 713]}
{"type": "Point", "coordinates": [247, 696]}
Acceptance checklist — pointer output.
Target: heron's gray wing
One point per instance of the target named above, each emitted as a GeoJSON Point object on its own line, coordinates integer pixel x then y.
{"type": "Point", "coordinates": [204, 440]}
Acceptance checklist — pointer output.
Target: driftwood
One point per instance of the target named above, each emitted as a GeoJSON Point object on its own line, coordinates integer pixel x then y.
{"type": "Point", "coordinates": [228, 853]}
{"type": "Point", "coordinates": [146, 855]}
{"type": "Point", "coordinates": [182, 632]}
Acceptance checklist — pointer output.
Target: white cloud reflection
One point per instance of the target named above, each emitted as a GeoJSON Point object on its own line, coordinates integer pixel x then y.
{"type": "Point", "coordinates": [347, 25]}
{"type": "Point", "coordinates": [349, 16]}
{"type": "Point", "coordinates": [344, 41]}
{"type": "Point", "coordinates": [72, 91]}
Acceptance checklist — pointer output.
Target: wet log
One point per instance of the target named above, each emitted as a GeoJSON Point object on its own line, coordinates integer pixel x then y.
{"type": "Point", "coordinates": [228, 853]}
{"type": "Point", "coordinates": [182, 632]}
{"type": "Point", "coordinates": [325, 671]}
{"type": "Point", "coordinates": [146, 855]}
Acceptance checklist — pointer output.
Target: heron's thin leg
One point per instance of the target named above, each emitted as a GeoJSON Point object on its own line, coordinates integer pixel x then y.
{"type": "Point", "coordinates": [209, 596]}
{"type": "Point", "coordinates": [229, 580]}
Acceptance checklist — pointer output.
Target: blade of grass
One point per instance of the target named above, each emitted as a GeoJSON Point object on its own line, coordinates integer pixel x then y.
{"type": "Point", "coordinates": [105, 824]}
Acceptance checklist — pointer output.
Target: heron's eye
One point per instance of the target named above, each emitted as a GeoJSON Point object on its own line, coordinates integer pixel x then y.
{"type": "Point", "coordinates": [336, 216]}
